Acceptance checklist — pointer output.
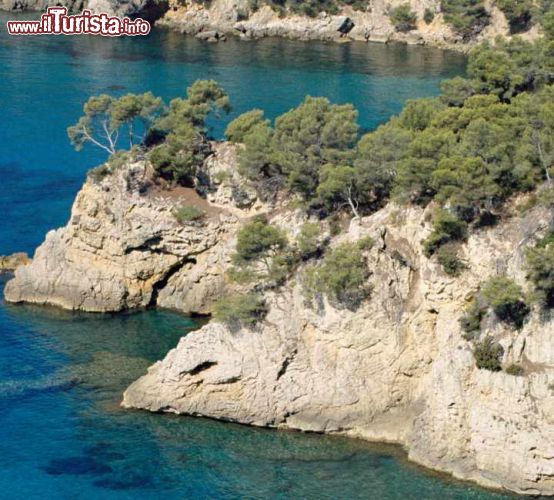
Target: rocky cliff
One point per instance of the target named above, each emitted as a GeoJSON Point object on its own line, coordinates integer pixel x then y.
{"type": "Point", "coordinates": [215, 20]}
{"type": "Point", "coordinates": [124, 248]}
{"type": "Point", "coordinates": [397, 369]}
{"type": "Point", "coordinates": [237, 17]}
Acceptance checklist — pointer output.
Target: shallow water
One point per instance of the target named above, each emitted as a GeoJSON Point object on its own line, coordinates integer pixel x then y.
{"type": "Point", "coordinates": [62, 432]}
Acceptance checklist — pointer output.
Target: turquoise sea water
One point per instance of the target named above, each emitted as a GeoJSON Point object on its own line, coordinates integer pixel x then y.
{"type": "Point", "coordinates": [62, 433]}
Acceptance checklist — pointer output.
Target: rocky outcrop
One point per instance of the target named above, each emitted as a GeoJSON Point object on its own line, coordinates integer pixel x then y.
{"type": "Point", "coordinates": [397, 369]}
{"type": "Point", "coordinates": [237, 17]}
{"type": "Point", "coordinates": [123, 247]}
{"type": "Point", "coordinates": [12, 262]}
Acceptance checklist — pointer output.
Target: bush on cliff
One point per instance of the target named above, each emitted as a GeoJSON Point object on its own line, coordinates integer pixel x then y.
{"type": "Point", "coordinates": [240, 310]}
{"type": "Point", "coordinates": [488, 354]}
{"type": "Point", "coordinates": [467, 17]}
{"type": "Point", "coordinates": [540, 270]}
{"type": "Point", "coordinates": [261, 253]}
{"type": "Point", "coordinates": [447, 256]}
{"type": "Point", "coordinates": [189, 214]}
{"type": "Point", "coordinates": [181, 133]}
{"type": "Point", "coordinates": [517, 12]}
{"type": "Point", "coordinates": [403, 18]}
{"type": "Point", "coordinates": [471, 319]}
{"type": "Point", "coordinates": [446, 228]}
{"type": "Point", "coordinates": [342, 276]}
{"type": "Point", "coordinates": [506, 299]}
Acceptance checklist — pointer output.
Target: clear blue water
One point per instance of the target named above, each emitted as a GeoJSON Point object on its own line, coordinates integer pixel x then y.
{"type": "Point", "coordinates": [62, 432]}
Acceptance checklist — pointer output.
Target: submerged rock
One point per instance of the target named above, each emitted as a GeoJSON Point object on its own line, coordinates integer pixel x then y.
{"type": "Point", "coordinates": [12, 262]}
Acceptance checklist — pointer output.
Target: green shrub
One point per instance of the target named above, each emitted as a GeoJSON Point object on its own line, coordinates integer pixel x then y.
{"type": "Point", "coordinates": [517, 12]}
{"type": "Point", "coordinates": [99, 173]}
{"type": "Point", "coordinates": [446, 228]}
{"type": "Point", "coordinates": [366, 243]}
{"type": "Point", "coordinates": [240, 310]}
{"type": "Point", "coordinates": [261, 244]}
{"type": "Point", "coordinates": [516, 370]}
{"type": "Point", "coordinates": [471, 320]}
{"type": "Point", "coordinates": [309, 240]}
{"type": "Point", "coordinates": [488, 354]}
{"type": "Point", "coordinates": [506, 298]}
{"type": "Point", "coordinates": [342, 276]}
{"type": "Point", "coordinates": [241, 126]}
{"type": "Point", "coordinates": [447, 257]}
{"type": "Point", "coordinates": [428, 16]}
{"type": "Point", "coordinates": [259, 240]}
{"type": "Point", "coordinates": [540, 270]}
{"type": "Point", "coordinates": [467, 17]}
{"type": "Point", "coordinates": [403, 18]}
{"type": "Point", "coordinates": [189, 214]}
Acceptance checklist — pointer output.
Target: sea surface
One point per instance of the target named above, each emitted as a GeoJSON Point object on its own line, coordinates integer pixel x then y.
{"type": "Point", "coordinates": [62, 432]}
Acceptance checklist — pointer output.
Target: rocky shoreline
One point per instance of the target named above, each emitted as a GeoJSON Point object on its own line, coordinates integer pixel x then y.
{"type": "Point", "coordinates": [220, 19]}
{"type": "Point", "coordinates": [397, 369]}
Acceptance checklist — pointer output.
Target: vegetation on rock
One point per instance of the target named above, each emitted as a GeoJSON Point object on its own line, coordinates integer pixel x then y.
{"type": "Point", "coordinates": [341, 276]}
{"type": "Point", "coordinates": [540, 270]}
{"type": "Point", "coordinates": [488, 354]}
{"type": "Point", "coordinates": [240, 310]}
{"type": "Point", "coordinates": [189, 214]}
{"type": "Point", "coordinates": [506, 299]}
{"type": "Point", "coordinates": [403, 18]}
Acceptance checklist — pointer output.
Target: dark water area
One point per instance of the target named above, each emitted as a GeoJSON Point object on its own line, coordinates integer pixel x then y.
{"type": "Point", "coordinates": [62, 431]}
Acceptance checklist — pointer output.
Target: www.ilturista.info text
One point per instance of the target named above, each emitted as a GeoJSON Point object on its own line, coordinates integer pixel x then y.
{"type": "Point", "coordinates": [56, 21]}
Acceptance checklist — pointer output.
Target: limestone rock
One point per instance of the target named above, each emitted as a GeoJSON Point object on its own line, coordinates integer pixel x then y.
{"type": "Point", "coordinates": [12, 262]}
{"type": "Point", "coordinates": [123, 246]}
{"type": "Point", "coordinates": [397, 369]}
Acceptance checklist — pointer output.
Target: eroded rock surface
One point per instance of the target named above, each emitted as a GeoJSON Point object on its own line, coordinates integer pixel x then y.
{"type": "Point", "coordinates": [123, 248]}
{"type": "Point", "coordinates": [398, 369]}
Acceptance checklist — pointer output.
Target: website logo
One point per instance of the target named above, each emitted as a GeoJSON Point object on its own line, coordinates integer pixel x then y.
{"type": "Point", "coordinates": [56, 21]}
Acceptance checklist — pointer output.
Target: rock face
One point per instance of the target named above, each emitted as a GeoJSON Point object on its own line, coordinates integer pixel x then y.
{"type": "Point", "coordinates": [12, 262]}
{"type": "Point", "coordinates": [123, 248]}
{"type": "Point", "coordinates": [397, 369]}
{"type": "Point", "coordinates": [372, 24]}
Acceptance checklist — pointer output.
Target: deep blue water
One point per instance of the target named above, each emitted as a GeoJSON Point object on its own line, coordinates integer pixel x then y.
{"type": "Point", "coordinates": [62, 433]}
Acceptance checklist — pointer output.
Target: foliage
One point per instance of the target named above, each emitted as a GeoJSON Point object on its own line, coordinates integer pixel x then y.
{"type": "Point", "coordinates": [428, 16]}
{"type": "Point", "coordinates": [446, 228]}
{"type": "Point", "coordinates": [189, 214]}
{"type": "Point", "coordinates": [447, 257]}
{"type": "Point", "coordinates": [467, 17]}
{"type": "Point", "coordinates": [241, 126]}
{"type": "Point", "coordinates": [309, 241]}
{"type": "Point", "coordinates": [342, 276]}
{"type": "Point", "coordinates": [488, 136]}
{"type": "Point", "coordinates": [540, 270]}
{"type": "Point", "coordinates": [315, 134]}
{"type": "Point", "coordinates": [471, 320]}
{"type": "Point", "coordinates": [182, 131]}
{"type": "Point", "coordinates": [261, 253]}
{"type": "Point", "coordinates": [488, 354]}
{"type": "Point", "coordinates": [506, 298]}
{"type": "Point", "coordinates": [105, 116]}
{"type": "Point", "coordinates": [518, 13]}
{"type": "Point", "coordinates": [403, 18]}
{"type": "Point", "coordinates": [240, 310]}
{"type": "Point", "coordinates": [516, 370]}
